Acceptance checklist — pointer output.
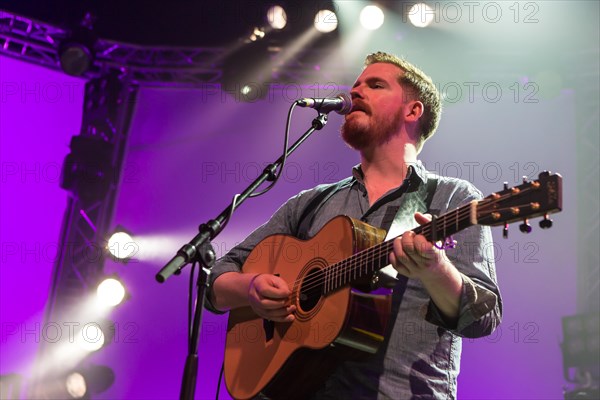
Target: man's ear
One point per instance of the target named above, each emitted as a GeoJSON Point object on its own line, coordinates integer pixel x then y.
{"type": "Point", "coordinates": [413, 111]}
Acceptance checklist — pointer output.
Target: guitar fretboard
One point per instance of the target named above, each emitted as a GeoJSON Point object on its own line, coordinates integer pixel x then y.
{"type": "Point", "coordinates": [365, 262]}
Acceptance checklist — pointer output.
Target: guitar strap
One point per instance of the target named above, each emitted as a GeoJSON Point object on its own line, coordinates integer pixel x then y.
{"type": "Point", "coordinates": [432, 183]}
{"type": "Point", "coordinates": [388, 276]}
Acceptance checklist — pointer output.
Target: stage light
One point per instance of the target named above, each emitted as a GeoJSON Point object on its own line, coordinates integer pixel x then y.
{"type": "Point", "coordinates": [326, 21]}
{"type": "Point", "coordinates": [85, 380]}
{"type": "Point", "coordinates": [121, 245]}
{"type": "Point", "coordinates": [371, 17]}
{"type": "Point", "coordinates": [95, 335]}
{"type": "Point", "coordinates": [257, 33]}
{"type": "Point", "coordinates": [246, 71]}
{"type": "Point", "coordinates": [421, 15]}
{"type": "Point", "coordinates": [75, 58]}
{"type": "Point", "coordinates": [110, 292]}
{"type": "Point", "coordinates": [76, 52]}
{"type": "Point", "coordinates": [90, 337]}
{"type": "Point", "coordinates": [277, 17]}
{"type": "Point", "coordinates": [76, 385]}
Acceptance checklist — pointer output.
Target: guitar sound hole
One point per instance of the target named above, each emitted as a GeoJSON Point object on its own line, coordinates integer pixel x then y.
{"type": "Point", "coordinates": [311, 290]}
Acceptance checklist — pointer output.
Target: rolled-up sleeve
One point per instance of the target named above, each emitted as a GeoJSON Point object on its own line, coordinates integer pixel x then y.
{"type": "Point", "coordinates": [480, 309]}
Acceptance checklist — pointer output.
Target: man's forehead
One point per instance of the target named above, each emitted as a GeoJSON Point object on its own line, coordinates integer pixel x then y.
{"type": "Point", "coordinates": [382, 70]}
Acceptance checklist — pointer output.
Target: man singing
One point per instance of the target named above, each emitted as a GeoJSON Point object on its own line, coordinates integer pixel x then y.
{"type": "Point", "coordinates": [440, 294]}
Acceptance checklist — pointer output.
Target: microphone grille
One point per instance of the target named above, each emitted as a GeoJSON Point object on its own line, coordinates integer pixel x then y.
{"type": "Point", "coordinates": [347, 104]}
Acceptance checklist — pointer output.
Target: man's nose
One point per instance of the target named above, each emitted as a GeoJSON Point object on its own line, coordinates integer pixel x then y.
{"type": "Point", "coordinates": [356, 92]}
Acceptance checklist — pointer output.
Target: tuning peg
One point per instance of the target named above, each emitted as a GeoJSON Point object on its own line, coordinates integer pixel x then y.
{"type": "Point", "coordinates": [505, 231]}
{"type": "Point", "coordinates": [546, 223]}
{"type": "Point", "coordinates": [525, 227]}
{"type": "Point", "coordinates": [544, 174]}
{"type": "Point", "coordinates": [505, 185]}
{"type": "Point", "coordinates": [525, 180]}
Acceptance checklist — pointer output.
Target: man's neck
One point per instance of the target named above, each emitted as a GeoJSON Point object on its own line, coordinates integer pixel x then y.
{"type": "Point", "coordinates": [385, 167]}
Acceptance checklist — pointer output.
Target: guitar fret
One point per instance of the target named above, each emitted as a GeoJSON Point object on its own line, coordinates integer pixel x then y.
{"type": "Point", "coordinates": [445, 220]}
{"type": "Point", "coordinates": [456, 223]}
{"type": "Point", "coordinates": [375, 258]}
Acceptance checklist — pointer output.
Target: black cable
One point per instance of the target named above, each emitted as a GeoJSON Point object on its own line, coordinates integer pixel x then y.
{"type": "Point", "coordinates": [232, 209]}
{"type": "Point", "coordinates": [220, 379]}
{"type": "Point", "coordinates": [285, 150]}
{"type": "Point", "coordinates": [191, 298]}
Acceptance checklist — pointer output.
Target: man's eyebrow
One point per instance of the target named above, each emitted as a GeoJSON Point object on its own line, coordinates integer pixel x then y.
{"type": "Point", "coordinates": [370, 79]}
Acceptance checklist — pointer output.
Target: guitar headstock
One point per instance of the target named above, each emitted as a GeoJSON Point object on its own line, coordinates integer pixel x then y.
{"type": "Point", "coordinates": [531, 199]}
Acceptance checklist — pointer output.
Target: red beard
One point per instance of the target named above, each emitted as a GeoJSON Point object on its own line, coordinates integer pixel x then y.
{"type": "Point", "coordinates": [373, 130]}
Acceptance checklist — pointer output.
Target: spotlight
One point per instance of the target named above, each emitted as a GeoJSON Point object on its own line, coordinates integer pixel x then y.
{"type": "Point", "coordinates": [326, 21]}
{"type": "Point", "coordinates": [246, 72]}
{"type": "Point", "coordinates": [257, 33]}
{"type": "Point", "coordinates": [87, 170]}
{"type": "Point", "coordinates": [371, 17]}
{"type": "Point", "coordinates": [121, 245]}
{"type": "Point", "coordinates": [95, 335]}
{"type": "Point", "coordinates": [83, 381]}
{"type": "Point", "coordinates": [76, 52]}
{"type": "Point", "coordinates": [277, 17]}
{"type": "Point", "coordinates": [110, 293]}
{"type": "Point", "coordinates": [76, 385]}
{"type": "Point", "coordinates": [421, 15]}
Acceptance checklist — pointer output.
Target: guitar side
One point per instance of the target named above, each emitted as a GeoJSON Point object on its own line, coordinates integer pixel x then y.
{"type": "Point", "coordinates": [262, 355]}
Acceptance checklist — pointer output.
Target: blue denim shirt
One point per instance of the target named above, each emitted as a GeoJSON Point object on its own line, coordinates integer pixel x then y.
{"type": "Point", "coordinates": [420, 356]}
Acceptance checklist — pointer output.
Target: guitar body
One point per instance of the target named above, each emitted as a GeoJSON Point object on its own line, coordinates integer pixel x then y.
{"type": "Point", "coordinates": [290, 360]}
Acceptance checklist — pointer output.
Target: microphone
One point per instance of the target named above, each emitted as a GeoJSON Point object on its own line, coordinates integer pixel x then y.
{"type": "Point", "coordinates": [341, 104]}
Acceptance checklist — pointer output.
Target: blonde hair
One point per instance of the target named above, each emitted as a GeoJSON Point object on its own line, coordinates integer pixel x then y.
{"type": "Point", "coordinates": [420, 87]}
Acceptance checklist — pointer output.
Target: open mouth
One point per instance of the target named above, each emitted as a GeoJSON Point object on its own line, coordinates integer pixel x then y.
{"type": "Point", "coordinates": [358, 108]}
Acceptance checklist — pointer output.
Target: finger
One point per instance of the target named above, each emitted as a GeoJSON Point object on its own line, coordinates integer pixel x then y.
{"type": "Point", "coordinates": [403, 261]}
{"type": "Point", "coordinates": [287, 318]}
{"type": "Point", "coordinates": [279, 315]}
{"type": "Point", "coordinates": [270, 304]}
{"type": "Point", "coordinates": [418, 251]}
{"type": "Point", "coordinates": [408, 244]}
{"type": "Point", "coordinates": [281, 312]}
{"type": "Point", "coordinates": [270, 286]}
{"type": "Point", "coordinates": [423, 248]}
{"type": "Point", "coordinates": [398, 266]}
{"type": "Point", "coordinates": [422, 218]}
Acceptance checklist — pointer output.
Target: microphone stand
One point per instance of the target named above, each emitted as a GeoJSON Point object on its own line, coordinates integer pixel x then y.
{"type": "Point", "coordinates": [200, 250]}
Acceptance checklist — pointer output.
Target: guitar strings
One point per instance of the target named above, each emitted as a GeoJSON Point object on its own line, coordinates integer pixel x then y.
{"type": "Point", "coordinates": [337, 271]}
{"type": "Point", "coordinates": [369, 257]}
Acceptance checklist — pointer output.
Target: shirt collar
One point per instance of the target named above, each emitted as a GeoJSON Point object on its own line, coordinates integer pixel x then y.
{"type": "Point", "coordinates": [416, 175]}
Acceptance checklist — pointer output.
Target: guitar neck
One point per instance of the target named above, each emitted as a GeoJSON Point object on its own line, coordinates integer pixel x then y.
{"type": "Point", "coordinates": [528, 200]}
{"type": "Point", "coordinates": [366, 262]}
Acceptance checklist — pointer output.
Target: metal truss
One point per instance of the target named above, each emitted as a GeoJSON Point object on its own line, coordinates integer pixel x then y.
{"type": "Point", "coordinates": [38, 43]}
{"type": "Point", "coordinates": [587, 105]}
{"type": "Point", "coordinates": [29, 40]}
{"type": "Point", "coordinates": [91, 173]}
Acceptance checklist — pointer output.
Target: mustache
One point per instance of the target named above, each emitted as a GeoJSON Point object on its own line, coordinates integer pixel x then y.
{"type": "Point", "coordinates": [360, 105]}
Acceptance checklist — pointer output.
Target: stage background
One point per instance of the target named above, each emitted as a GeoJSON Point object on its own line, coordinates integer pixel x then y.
{"type": "Point", "coordinates": [191, 150]}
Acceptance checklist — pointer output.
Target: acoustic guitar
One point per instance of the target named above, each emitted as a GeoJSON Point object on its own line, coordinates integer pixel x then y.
{"type": "Point", "coordinates": [329, 276]}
